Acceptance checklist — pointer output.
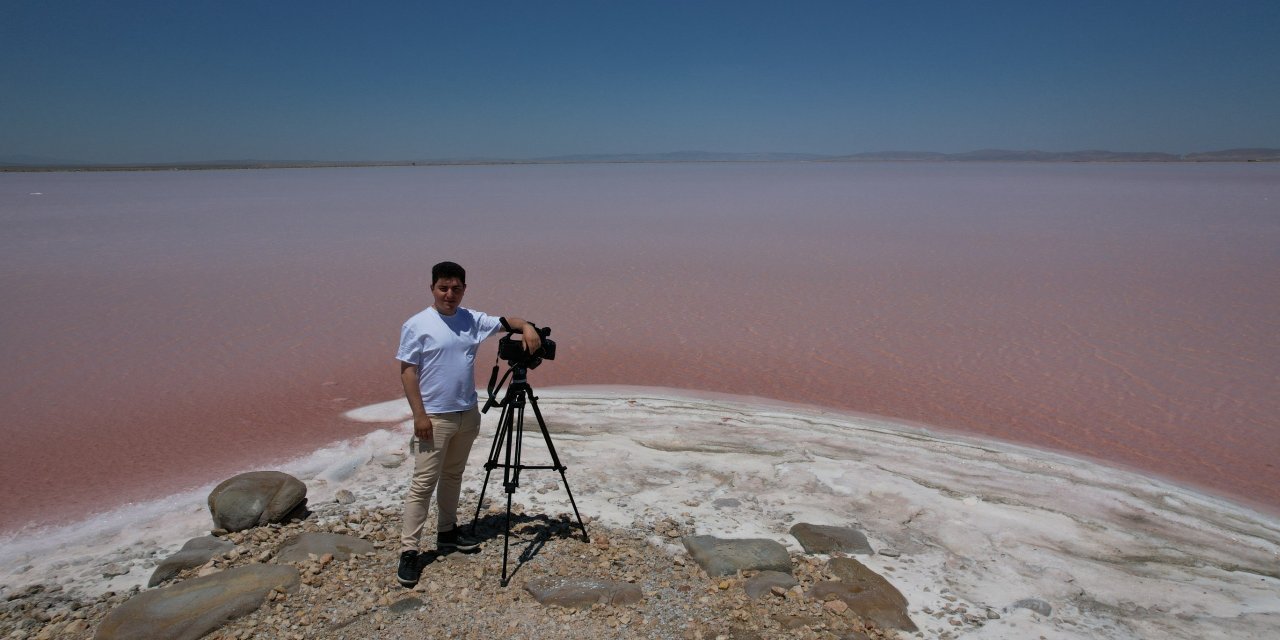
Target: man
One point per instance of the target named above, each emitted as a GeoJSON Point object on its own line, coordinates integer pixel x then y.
{"type": "Point", "coordinates": [437, 368]}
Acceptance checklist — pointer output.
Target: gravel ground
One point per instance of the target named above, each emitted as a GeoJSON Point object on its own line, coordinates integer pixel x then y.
{"type": "Point", "coordinates": [460, 595]}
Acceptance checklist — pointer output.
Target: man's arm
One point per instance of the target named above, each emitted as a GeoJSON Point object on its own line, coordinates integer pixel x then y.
{"type": "Point", "coordinates": [529, 335]}
{"type": "Point", "coordinates": [413, 392]}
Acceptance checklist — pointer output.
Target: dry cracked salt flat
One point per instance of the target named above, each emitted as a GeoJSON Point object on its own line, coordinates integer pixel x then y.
{"type": "Point", "coordinates": [1057, 547]}
{"type": "Point", "coordinates": [1112, 553]}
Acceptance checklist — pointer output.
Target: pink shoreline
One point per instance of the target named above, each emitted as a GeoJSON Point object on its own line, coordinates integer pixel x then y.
{"type": "Point", "coordinates": [34, 511]}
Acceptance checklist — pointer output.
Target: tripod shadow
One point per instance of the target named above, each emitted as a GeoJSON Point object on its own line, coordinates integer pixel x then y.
{"type": "Point", "coordinates": [531, 530]}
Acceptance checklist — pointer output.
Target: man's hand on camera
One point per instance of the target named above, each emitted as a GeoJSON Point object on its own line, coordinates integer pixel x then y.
{"type": "Point", "coordinates": [422, 428]}
{"type": "Point", "coordinates": [532, 341]}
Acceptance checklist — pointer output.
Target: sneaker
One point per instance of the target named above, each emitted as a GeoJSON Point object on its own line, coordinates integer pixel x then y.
{"type": "Point", "coordinates": [456, 540]}
{"type": "Point", "coordinates": [408, 572]}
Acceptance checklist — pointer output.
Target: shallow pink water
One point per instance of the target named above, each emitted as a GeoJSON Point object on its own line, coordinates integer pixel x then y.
{"type": "Point", "coordinates": [164, 329]}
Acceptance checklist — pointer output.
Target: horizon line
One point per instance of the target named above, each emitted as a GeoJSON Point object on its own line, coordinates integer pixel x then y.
{"type": "Point", "coordinates": [1238, 154]}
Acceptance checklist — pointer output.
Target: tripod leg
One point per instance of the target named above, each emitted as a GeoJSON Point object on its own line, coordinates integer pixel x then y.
{"type": "Point", "coordinates": [510, 472]}
{"type": "Point", "coordinates": [499, 435]}
{"type": "Point", "coordinates": [475, 520]}
{"type": "Point", "coordinates": [585, 536]}
{"type": "Point", "coordinates": [555, 460]}
{"type": "Point", "coordinates": [506, 541]}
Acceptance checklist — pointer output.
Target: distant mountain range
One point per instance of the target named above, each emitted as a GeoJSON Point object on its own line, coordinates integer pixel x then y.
{"type": "Point", "coordinates": [30, 163]}
{"type": "Point", "coordinates": [688, 156]}
{"type": "Point", "coordinates": [984, 155]}
{"type": "Point", "coordinates": [1004, 155]}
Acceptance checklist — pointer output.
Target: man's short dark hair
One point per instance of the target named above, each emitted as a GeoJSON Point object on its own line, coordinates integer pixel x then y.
{"type": "Point", "coordinates": [448, 270]}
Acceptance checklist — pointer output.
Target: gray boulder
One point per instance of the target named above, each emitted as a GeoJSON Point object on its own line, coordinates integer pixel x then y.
{"type": "Point", "coordinates": [866, 592]}
{"type": "Point", "coordinates": [580, 593]}
{"type": "Point", "coordinates": [194, 553]}
{"type": "Point", "coordinates": [764, 582]}
{"type": "Point", "coordinates": [192, 608]}
{"type": "Point", "coordinates": [821, 538]}
{"type": "Point", "coordinates": [726, 556]}
{"type": "Point", "coordinates": [257, 498]}
{"type": "Point", "coordinates": [1035, 604]}
{"type": "Point", "coordinates": [342, 547]}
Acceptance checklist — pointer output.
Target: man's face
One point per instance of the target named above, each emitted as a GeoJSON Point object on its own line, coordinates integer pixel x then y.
{"type": "Point", "coordinates": [448, 294]}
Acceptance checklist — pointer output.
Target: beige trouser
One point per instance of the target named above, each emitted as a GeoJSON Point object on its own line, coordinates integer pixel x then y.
{"type": "Point", "coordinates": [439, 461]}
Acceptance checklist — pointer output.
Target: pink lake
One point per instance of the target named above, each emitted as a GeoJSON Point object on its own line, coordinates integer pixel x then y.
{"type": "Point", "coordinates": [164, 329]}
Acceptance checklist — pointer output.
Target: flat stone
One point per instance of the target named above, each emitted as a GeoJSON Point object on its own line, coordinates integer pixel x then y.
{"type": "Point", "coordinates": [193, 608]}
{"type": "Point", "coordinates": [726, 556]}
{"type": "Point", "coordinates": [342, 547]}
{"type": "Point", "coordinates": [114, 569]}
{"type": "Point", "coordinates": [725, 503]}
{"type": "Point", "coordinates": [581, 593]}
{"type": "Point", "coordinates": [764, 582]}
{"type": "Point", "coordinates": [194, 553]}
{"type": "Point", "coordinates": [866, 592]}
{"type": "Point", "coordinates": [821, 538]}
{"type": "Point", "coordinates": [405, 604]}
{"type": "Point", "coordinates": [390, 460]}
{"type": "Point", "coordinates": [836, 606]}
{"type": "Point", "coordinates": [1035, 604]}
{"type": "Point", "coordinates": [256, 498]}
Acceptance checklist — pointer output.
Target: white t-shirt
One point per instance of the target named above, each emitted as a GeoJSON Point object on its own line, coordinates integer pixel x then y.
{"type": "Point", "coordinates": [444, 350]}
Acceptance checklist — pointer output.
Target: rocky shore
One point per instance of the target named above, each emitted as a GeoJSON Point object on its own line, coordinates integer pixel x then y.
{"type": "Point", "coordinates": [352, 593]}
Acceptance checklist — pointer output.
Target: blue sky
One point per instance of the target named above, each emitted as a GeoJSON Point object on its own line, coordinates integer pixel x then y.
{"type": "Point", "coordinates": [169, 81]}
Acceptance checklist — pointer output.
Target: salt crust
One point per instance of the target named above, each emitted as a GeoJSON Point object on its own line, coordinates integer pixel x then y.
{"type": "Point", "coordinates": [1116, 554]}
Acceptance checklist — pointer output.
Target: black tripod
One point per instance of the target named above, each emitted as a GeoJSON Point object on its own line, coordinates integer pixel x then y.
{"type": "Point", "coordinates": [507, 444]}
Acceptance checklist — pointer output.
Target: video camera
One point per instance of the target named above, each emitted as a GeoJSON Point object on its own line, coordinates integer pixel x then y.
{"type": "Point", "coordinates": [511, 349]}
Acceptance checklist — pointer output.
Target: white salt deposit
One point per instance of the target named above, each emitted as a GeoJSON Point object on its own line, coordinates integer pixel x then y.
{"type": "Point", "coordinates": [958, 521]}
